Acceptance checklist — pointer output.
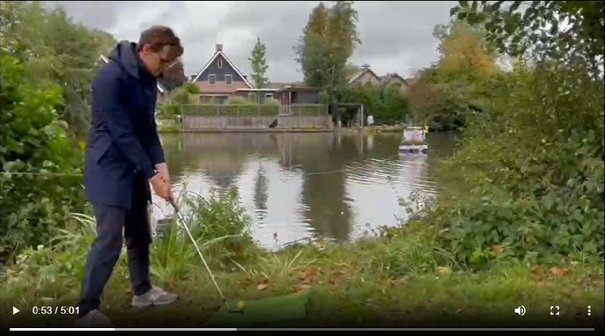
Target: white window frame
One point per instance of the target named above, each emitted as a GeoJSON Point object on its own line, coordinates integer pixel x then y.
{"type": "Point", "coordinates": [268, 95]}
{"type": "Point", "coordinates": [219, 63]}
{"type": "Point", "coordinates": [230, 76]}
{"type": "Point", "coordinates": [211, 76]}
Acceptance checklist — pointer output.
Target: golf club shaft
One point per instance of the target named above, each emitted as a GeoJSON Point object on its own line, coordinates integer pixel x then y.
{"type": "Point", "coordinates": [178, 213]}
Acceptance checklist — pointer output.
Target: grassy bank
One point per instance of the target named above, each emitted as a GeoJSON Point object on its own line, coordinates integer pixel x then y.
{"type": "Point", "coordinates": [400, 277]}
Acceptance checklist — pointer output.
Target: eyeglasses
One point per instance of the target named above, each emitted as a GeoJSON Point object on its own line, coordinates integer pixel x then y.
{"type": "Point", "coordinates": [168, 63]}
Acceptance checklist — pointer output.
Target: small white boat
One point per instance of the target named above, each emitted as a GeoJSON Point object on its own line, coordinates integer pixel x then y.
{"type": "Point", "coordinates": [414, 140]}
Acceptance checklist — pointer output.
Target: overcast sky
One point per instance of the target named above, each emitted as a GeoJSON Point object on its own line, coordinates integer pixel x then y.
{"type": "Point", "coordinates": [395, 36]}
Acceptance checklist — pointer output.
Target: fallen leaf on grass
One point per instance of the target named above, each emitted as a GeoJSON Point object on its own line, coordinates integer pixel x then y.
{"type": "Point", "coordinates": [307, 273]}
{"type": "Point", "coordinates": [497, 250]}
{"type": "Point", "coordinates": [537, 274]}
{"type": "Point", "coordinates": [263, 284]}
{"type": "Point", "coordinates": [170, 284]}
{"type": "Point", "coordinates": [238, 248]}
{"type": "Point", "coordinates": [300, 288]}
{"type": "Point", "coordinates": [395, 282]}
{"type": "Point", "coordinates": [560, 272]}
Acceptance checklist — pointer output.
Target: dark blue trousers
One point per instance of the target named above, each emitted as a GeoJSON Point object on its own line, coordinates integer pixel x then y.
{"type": "Point", "coordinates": [113, 225]}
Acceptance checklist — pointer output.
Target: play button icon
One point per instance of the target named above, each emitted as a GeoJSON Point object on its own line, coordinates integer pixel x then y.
{"type": "Point", "coordinates": [15, 310]}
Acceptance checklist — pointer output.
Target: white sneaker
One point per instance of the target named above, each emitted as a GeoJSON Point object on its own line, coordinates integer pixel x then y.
{"type": "Point", "coordinates": [94, 319]}
{"type": "Point", "coordinates": [154, 297]}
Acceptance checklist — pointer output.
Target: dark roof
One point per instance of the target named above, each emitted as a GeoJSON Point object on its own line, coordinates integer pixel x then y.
{"type": "Point", "coordinates": [276, 85]}
{"type": "Point", "coordinates": [220, 52]}
{"type": "Point", "coordinates": [299, 86]}
{"type": "Point", "coordinates": [361, 72]}
{"type": "Point", "coordinates": [386, 78]}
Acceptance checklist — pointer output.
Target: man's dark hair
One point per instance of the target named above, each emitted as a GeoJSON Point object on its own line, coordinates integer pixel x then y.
{"type": "Point", "coordinates": [158, 37]}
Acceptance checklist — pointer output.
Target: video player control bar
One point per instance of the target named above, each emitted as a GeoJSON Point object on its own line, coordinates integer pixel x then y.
{"type": "Point", "coordinates": [302, 329]}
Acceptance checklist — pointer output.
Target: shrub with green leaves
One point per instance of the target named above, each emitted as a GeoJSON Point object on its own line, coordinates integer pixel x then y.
{"type": "Point", "coordinates": [533, 169]}
{"type": "Point", "coordinates": [527, 180]}
{"type": "Point", "coordinates": [219, 216]}
{"type": "Point", "coordinates": [386, 104]}
{"type": "Point", "coordinates": [34, 141]}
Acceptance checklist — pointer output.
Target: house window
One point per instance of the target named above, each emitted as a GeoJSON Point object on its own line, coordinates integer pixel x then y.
{"type": "Point", "coordinates": [219, 63]}
{"type": "Point", "coordinates": [212, 79]}
{"type": "Point", "coordinates": [268, 96]}
{"type": "Point", "coordinates": [228, 79]}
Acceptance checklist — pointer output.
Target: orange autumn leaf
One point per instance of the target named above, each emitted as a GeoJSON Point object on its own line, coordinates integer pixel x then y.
{"type": "Point", "coordinates": [307, 273]}
{"type": "Point", "coordinates": [395, 282]}
{"type": "Point", "coordinates": [560, 272]}
{"type": "Point", "coordinates": [497, 250]}
{"type": "Point", "coordinates": [300, 288]}
{"type": "Point", "coordinates": [170, 284]}
{"type": "Point", "coordinates": [310, 271]}
{"type": "Point", "coordinates": [238, 248]}
{"type": "Point", "coordinates": [537, 274]}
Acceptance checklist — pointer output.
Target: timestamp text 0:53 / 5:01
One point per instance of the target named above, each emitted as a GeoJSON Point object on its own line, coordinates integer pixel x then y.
{"type": "Point", "coordinates": [55, 310]}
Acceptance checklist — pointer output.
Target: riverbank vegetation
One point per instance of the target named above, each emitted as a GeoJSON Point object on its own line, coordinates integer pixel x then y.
{"type": "Point", "coordinates": [519, 219]}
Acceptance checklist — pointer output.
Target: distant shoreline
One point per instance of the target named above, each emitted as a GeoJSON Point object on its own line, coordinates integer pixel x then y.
{"type": "Point", "coordinates": [169, 127]}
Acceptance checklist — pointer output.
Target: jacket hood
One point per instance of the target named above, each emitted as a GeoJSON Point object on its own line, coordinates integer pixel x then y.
{"type": "Point", "coordinates": [125, 54]}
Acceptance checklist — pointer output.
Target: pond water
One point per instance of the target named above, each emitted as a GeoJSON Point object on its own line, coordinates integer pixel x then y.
{"type": "Point", "coordinates": [306, 185]}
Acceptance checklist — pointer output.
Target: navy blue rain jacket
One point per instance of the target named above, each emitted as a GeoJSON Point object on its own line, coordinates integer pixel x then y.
{"type": "Point", "coordinates": [123, 147]}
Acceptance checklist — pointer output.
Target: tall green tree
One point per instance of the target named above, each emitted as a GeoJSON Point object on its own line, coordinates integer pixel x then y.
{"type": "Point", "coordinates": [328, 41]}
{"type": "Point", "coordinates": [258, 60]}
{"type": "Point", "coordinates": [312, 49]}
{"type": "Point", "coordinates": [342, 37]}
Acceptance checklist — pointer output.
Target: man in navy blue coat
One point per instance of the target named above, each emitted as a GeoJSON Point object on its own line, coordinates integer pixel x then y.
{"type": "Point", "coordinates": [123, 157]}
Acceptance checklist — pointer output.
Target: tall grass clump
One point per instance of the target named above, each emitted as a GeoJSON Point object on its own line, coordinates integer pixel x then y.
{"type": "Point", "coordinates": [220, 226]}
{"type": "Point", "coordinates": [54, 270]}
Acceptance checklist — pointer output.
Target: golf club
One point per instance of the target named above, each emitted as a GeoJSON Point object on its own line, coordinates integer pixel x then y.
{"type": "Point", "coordinates": [182, 221]}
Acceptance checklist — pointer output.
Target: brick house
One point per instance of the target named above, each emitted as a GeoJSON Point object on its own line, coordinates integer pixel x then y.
{"type": "Point", "coordinates": [220, 80]}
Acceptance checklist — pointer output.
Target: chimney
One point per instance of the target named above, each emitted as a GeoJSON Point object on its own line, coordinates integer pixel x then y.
{"type": "Point", "coordinates": [219, 47]}
{"type": "Point", "coordinates": [365, 66]}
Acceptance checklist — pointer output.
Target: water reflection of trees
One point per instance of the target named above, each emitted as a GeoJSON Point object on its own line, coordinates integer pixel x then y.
{"type": "Point", "coordinates": [320, 157]}
{"type": "Point", "coordinates": [261, 186]}
{"type": "Point", "coordinates": [323, 189]}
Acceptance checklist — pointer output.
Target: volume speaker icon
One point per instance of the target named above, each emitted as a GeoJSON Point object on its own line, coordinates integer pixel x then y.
{"type": "Point", "coordinates": [520, 310]}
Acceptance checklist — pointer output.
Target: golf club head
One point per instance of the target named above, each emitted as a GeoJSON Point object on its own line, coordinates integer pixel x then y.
{"type": "Point", "coordinates": [233, 310]}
